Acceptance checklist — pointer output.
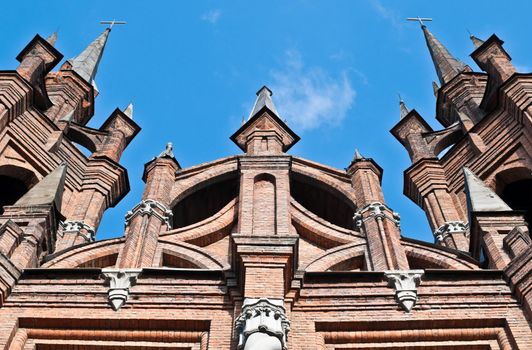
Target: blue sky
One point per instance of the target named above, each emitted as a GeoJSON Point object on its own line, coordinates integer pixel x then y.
{"type": "Point", "coordinates": [335, 67]}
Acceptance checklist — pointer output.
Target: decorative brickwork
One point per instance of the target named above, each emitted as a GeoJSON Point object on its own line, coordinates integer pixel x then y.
{"type": "Point", "coordinates": [264, 250]}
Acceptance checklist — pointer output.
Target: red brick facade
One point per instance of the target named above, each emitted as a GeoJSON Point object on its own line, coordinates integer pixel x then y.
{"type": "Point", "coordinates": [264, 250]}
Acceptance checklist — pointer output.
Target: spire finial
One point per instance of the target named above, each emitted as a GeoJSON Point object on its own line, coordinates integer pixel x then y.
{"type": "Point", "coordinates": [112, 23]}
{"type": "Point", "coordinates": [264, 99]}
{"type": "Point", "coordinates": [403, 110]}
{"type": "Point", "coordinates": [52, 38]}
{"type": "Point", "coordinates": [420, 20]}
{"type": "Point", "coordinates": [476, 41]}
{"type": "Point", "coordinates": [435, 88]}
{"type": "Point", "coordinates": [129, 110]}
{"type": "Point", "coordinates": [357, 156]}
{"type": "Point", "coordinates": [168, 151]}
{"type": "Point", "coordinates": [447, 67]}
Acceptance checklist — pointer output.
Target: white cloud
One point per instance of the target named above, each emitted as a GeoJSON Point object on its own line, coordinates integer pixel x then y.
{"type": "Point", "coordinates": [310, 97]}
{"type": "Point", "coordinates": [211, 16]}
{"type": "Point", "coordinates": [387, 13]}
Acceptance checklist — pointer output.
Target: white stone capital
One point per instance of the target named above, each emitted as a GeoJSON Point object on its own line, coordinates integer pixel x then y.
{"type": "Point", "coordinates": [405, 283]}
{"type": "Point", "coordinates": [120, 280]}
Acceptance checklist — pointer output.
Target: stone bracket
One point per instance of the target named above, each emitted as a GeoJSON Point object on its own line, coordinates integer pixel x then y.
{"type": "Point", "coordinates": [75, 226]}
{"type": "Point", "coordinates": [265, 316]}
{"type": "Point", "coordinates": [405, 283]}
{"type": "Point", "coordinates": [448, 228]}
{"type": "Point", "coordinates": [120, 280]}
{"type": "Point", "coordinates": [151, 207]}
{"type": "Point", "coordinates": [378, 211]}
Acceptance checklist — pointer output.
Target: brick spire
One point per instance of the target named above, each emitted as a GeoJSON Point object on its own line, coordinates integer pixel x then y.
{"type": "Point", "coordinates": [49, 191]}
{"type": "Point", "coordinates": [447, 67]}
{"type": "Point", "coordinates": [480, 198]}
{"type": "Point", "coordinates": [86, 63]}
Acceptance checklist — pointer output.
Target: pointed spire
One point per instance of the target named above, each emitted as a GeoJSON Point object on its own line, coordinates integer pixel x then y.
{"type": "Point", "coordinates": [68, 117]}
{"type": "Point", "coordinates": [435, 88]}
{"type": "Point", "coordinates": [264, 99]}
{"type": "Point", "coordinates": [403, 110]}
{"type": "Point", "coordinates": [447, 67]}
{"type": "Point", "coordinates": [86, 63]}
{"type": "Point", "coordinates": [52, 39]}
{"type": "Point", "coordinates": [49, 191]}
{"type": "Point", "coordinates": [168, 152]}
{"type": "Point", "coordinates": [357, 156]}
{"type": "Point", "coordinates": [480, 197]}
{"type": "Point", "coordinates": [476, 41]}
{"type": "Point", "coordinates": [129, 110]}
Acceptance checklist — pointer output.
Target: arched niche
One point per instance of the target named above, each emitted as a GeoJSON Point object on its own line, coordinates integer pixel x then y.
{"type": "Point", "coordinates": [322, 200]}
{"type": "Point", "coordinates": [14, 183]}
{"type": "Point", "coordinates": [205, 201]}
{"type": "Point", "coordinates": [514, 186]}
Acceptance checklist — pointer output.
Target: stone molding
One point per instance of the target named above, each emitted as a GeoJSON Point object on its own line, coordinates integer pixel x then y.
{"type": "Point", "coordinates": [265, 316]}
{"type": "Point", "coordinates": [151, 207]}
{"type": "Point", "coordinates": [405, 283]}
{"type": "Point", "coordinates": [378, 211]}
{"type": "Point", "coordinates": [71, 226]}
{"type": "Point", "coordinates": [120, 280]}
{"type": "Point", "coordinates": [448, 228]}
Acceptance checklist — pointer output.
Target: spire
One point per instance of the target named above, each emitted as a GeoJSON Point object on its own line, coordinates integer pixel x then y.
{"type": "Point", "coordinates": [52, 39]}
{"type": "Point", "coordinates": [357, 156]}
{"type": "Point", "coordinates": [447, 67]}
{"type": "Point", "coordinates": [129, 110]}
{"type": "Point", "coordinates": [480, 197]}
{"type": "Point", "coordinates": [168, 151]}
{"type": "Point", "coordinates": [403, 110]}
{"type": "Point", "coordinates": [49, 191]}
{"type": "Point", "coordinates": [435, 88]}
{"type": "Point", "coordinates": [68, 117]}
{"type": "Point", "coordinates": [86, 63]}
{"type": "Point", "coordinates": [476, 41]}
{"type": "Point", "coordinates": [264, 99]}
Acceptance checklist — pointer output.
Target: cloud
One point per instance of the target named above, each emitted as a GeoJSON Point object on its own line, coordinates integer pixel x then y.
{"type": "Point", "coordinates": [387, 13]}
{"type": "Point", "coordinates": [310, 97]}
{"type": "Point", "coordinates": [211, 16]}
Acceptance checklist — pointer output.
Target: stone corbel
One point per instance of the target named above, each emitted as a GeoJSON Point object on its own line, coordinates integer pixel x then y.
{"type": "Point", "coordinates": [120, 280]}
{"type": "Point", "coordinates": [262, 325]}
{"type": "Point", "coordinates": [405, 283]}
{"type": "Point", "coordinates": [378, 211]}
{"type": "Point", "coordinates": [76, 227]}
{"type": "Point", "coordinates": [151, 207]}
{"type": "Point", "coordinates": [448, 228]}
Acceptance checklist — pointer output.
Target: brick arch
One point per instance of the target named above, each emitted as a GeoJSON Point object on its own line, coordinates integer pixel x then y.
{"type": "Point", "coordinates": [87, 255]}
{"type": "Point", "coordinates": [318, 231]}
{"type": "Point", "coordinates": [421, 256]}
{"type": "Point", "coordinates": [337, 257]}
{"type": "Point", "coordinates": [189, 256]}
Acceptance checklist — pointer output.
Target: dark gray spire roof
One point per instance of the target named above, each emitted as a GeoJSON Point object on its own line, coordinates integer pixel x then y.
{"type": "Point", "coordinates": [435, 88]}
{"type": "Point", "coordinates": [476, 41]}
{"type": "Point", "coordinates": [480, 197]}
{"type": "Point", "coordinates": [403, 110]}
{"type": "Point", "coordinates": [447, 67]}
{"type": "Point", "coordinates": [129, 110]}
{"type": "Point", "coordinates": [264, 99]}
{"type": "Point", "coordinates": [86, 63]}
{"type": "Point", "coordinates": [52, 39]}
{"type": "Point", "coordinates": [357, 156]}
{"type": "Point", "coordinates": [49, 191]}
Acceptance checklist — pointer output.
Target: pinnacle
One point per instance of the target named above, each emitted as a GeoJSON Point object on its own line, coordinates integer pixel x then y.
{"type": "Point", "coordinates": [403, 110]}
{"type": "Point", "coordinates": [52, 38]}
{"type": "Point", "coordinates": [476, 41]}
{"type": "Point", "coordinates": [129, 110]}
{"type": "Point", "coordinates": [264, 99]}
{"type": "Point", "coordinates": [481, 198]}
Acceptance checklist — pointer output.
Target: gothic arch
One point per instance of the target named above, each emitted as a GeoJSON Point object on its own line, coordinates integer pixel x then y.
{"type": "Point", "coordinates": [15, 181]}
{"type": "Point", "coordinates": [422, 255]}
{"type": "Point", "coordinates": [188, 256]}
{"type": "Point", "coordinates": [88, 255]}
{"type": "Point", "coordinates": [349, 256]}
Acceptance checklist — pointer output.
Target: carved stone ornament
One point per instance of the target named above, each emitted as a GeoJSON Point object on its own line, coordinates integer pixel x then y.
{"type": "Point", "coordinates": [151, 207]}
{"type": "Point", "coordinates": [120, 280]}
{"type": "Point", "coordinates": [267, 316]}
{"type": "Point", "coordinates": [405, 283]}
{"type": "Point", "coordinates": [448, 228]}
{"type": "Point", "coordinates": [375, 210]}
{"type": "Point", "coordinates": [77, 226]}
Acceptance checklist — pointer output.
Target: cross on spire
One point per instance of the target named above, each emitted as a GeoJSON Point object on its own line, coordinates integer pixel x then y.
{"type": "Point", "coordinates": [112, 23]}
{"type": "Point", "coordinates": [419, 19]}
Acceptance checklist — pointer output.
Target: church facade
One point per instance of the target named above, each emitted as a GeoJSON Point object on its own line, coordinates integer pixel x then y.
{"type": "Point", "coordinates": [264, 250]}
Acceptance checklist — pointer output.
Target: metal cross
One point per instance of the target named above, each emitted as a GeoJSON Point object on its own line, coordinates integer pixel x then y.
{"type": "Point", "coordinates": [419, 19]}
{"type": "Point", "coordinates": [112, 23]}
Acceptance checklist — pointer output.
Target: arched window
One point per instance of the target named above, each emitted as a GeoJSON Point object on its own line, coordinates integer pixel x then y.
{"type": "Point", "coordinates": [514, 186]}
